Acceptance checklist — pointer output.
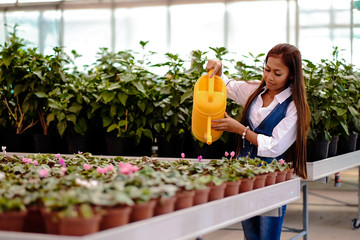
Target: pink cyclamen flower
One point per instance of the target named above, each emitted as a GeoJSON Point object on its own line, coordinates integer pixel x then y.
{"type": "Point", "coordinates": [43, 173]}
{"type": "Point", "coordinates": [182, 155]}
{"type": "Point", "coordinates": [226, 154]}
{"type": "Point", "coordinates": [80, 152]}
{"type": "Point", "coordinates": [87, 167]}
{"type": "Point", "coordinates": [282, 161]}
{"type": "Point", "coordinates": [110, 167]}
{"type": "Point", "coordinates": [29, 160]}
{"type": "Point", "coordinates": [35, 163]}
{"type": "Point", "coordinates": [101, 170]}
{"type": "Point", "coordinates": [232, 154]}
{"type": "Point", "coordinates": [24, 160]}
{"type": "Point", "coordinates": [199, 158]}
{"type": "Point", "coordinates": [58, 155]}
{"type": "Point", "coordinates": [62, 162]}
{"type": "Point", "coordinates": [125, 170]}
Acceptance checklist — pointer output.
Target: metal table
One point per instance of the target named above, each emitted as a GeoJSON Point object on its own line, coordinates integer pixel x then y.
{"type": "Point", "coordinates": [191, 222]}
{"type": "Point", "coordinates": [323, 168]}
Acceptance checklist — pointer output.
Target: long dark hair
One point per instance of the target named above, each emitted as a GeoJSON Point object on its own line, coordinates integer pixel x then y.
{"type": "Point", "coordinates": [291, 57]}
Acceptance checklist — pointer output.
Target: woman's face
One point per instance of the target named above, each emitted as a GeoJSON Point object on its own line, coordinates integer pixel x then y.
{"type": "Point", "coordinates": [276, 74]}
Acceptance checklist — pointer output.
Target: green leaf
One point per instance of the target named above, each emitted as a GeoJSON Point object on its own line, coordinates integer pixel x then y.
{"type": "Point", "coordinates": [139, 86]}
{"type": "Point", "coordinates": [122, 123]}
{"type": "Point", "coordinates": [71, 118]}
{"type": "Point", "coordinates": [61, 126]}
{"type": "Point", "coordinates": [106, 121]}
{"type": "Point", "coordinates": [339, 111]}
{"type": "Point", "coordinates": [81, 126]}
{"type": "Point", "coordinates": [49, 118]}
{"type": "Point", "coordinates": [75, 108]}
{"type": "Point", "coordinates": [142, 105]}
{"type": "Point", "coordinates": [17, 89]}
{"type": "Point", "coordinates": [108, 96]}
{"type": "Point", "coordinates": [185, 96]}
{"type": "Point", "coordinates": [41, 94]}
{"type": "Point", "coordinates": [112, 127]}
{"type": "Point", "coordinates": [112, 110]}
{"type": "Point", "coordinates": [122, 97]}
{"type": "Point", "coordinates": [7, 60]}
{"type": "Point", "coordinates": [353, 111]}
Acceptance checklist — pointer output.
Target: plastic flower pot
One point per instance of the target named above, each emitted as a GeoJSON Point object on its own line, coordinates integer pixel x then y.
{"type": "Point", "coordinates": [247, 184]}
{"type": "Point", "coordinates": [184, 199]}
{"type": "Point", "coordinates": [270, 178]}
{"type": "Point", "coordinates": [289, 173]}
{"type": "Point", "coordinates": [164, 205]}
{"type": "Point", "coordinates": [12, 221]}
{"type": "Point", "coordinates": [201, 196]}
{"type": "Point", "coordinates": [79, 226]}
{"type": "Point", "coordinates": [141, 211]}
{"type": "Point", "coordinates": [115, 216]}
{"type": "Point", "coordinates": [280, 177]}
{"type": "Point", "coordinates": [217, 191]}
{"type": "Point", "coordinates": [232, 188]}
{"type": "Point", "coordinates": [260, 181]}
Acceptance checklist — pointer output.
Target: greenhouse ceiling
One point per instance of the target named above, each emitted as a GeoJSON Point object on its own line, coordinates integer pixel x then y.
{"type": "Point", "coordinates": [16, 5]}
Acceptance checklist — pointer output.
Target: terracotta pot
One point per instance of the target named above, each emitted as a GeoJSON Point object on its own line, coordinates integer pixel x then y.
{"type": "Point", "coordinates": [247, 184]}
{"type": "Point", "coordinates": [12, 221]}
{"type": "Point", "coordinates": [115, 216]}
{"type": "Point", "coordinates": [79, 226]}
{"type": "Point", "coordinates": [51, 221]}
{"type": "Point", "coordinates": [280, 177]}
{"type": "Point", "coordinates": [270, 178]}
{"type": "Point", "coordinates": [217, 192]}
{"type": "Point", "coordinates": [201, 196]}
{"type": "Point", "coordinates": [184, 199]}
{"type": "Point", "coordinates": [34, 221]}
{"type": "Point", "coordinates": [232, 188]}
{"type": "Point", "coordinates": [141, 211]}
{"type": "Point", "coordinates": [289, 173]}
{"type": "Point", "coordinates": [164, 205]}
{"type": "Point", "coordinates": [260, 181]}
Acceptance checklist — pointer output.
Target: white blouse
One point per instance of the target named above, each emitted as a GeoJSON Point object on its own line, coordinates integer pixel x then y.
{"type": "Point", "coordinates": [284, 134]}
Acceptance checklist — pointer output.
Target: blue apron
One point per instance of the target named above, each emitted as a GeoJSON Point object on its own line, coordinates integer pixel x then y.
{"type": "Point", "coordinates": [264, 227]}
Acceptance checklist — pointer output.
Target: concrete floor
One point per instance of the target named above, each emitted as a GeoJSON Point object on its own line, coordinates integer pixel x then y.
{"type": "Point", "coordinates": [331, 210]}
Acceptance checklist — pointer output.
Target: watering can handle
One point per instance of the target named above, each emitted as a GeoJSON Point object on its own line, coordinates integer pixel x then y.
{"type": "Point", "coordinates": [211, 86]}
{"type": "Point", "coordinates": [208, 134]}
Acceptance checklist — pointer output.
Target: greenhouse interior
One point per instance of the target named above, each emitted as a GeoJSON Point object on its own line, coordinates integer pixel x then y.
{"type": "Point", "coordinates": [179, 119]}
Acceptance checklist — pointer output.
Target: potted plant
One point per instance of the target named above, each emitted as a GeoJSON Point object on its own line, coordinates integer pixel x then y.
{"type": "Point", "coordinates": [124, 102]}
{"type": "Point", "coordinates": [12, 207]}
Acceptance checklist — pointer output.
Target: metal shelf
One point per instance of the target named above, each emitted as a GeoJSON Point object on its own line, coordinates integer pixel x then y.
{"type": "Point", "coordinates": [194, 221]}
{"type": "Point", "coordinates": [328, 166]}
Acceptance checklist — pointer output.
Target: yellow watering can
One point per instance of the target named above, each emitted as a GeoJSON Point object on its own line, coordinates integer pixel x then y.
{"type": "Point", "coordinates": [209, 103]}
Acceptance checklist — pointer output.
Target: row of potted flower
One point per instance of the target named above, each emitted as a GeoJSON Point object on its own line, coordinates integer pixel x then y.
{"type": "Point", "coordinates": [58, 194]}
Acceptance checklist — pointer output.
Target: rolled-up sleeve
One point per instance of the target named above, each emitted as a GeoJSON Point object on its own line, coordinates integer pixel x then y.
{"type": "Point", "coordinates": [283, 135]}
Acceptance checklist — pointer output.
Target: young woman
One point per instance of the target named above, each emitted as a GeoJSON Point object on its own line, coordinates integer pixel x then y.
{"type": "Point", "coordinates": [274, 124]}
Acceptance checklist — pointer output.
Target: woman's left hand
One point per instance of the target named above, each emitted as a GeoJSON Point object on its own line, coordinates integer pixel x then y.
{"type": "Point", "coordinates": [226, 124]}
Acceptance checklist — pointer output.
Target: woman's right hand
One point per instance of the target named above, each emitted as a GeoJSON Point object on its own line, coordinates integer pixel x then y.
{"type": "Point", "coordinates": [216, 65]}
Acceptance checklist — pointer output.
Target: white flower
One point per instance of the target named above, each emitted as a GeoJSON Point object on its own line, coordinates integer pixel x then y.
{"type": "Point", "coordinates": [3, 149]}
{"type": "Point", "coordinates": [93, 183]}
{"type": "Point", "coordinates": [2, 176]}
